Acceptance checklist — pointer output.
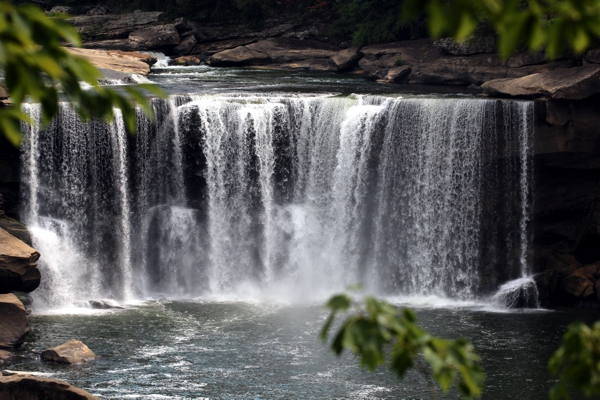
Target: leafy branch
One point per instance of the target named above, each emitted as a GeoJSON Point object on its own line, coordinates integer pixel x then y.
{"type": "Point", "coordinates": [38, 68]}
{"type": "Point", "coordinates": [370, 330]}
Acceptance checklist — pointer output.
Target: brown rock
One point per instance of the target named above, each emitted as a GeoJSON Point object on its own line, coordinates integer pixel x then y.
{"type": "Point", "coordinates": [155, 37]}
{"type": "Point", "coordinates": [238, 56]}
{"type": "Point", "coordinates": [574, 84]}
{"type": "Point", "coordinates": [523, 59]}
{"type": "Point", "coordinates": [579, 283]}
{"type": "Point", "coordinates": [14, 326]}
{"type": "Point", "coordinates": [346, 59]}
{"type": "Point", "coordinates": [27, 387]}
{"type": "Point", "coordinates": [593, 269]}
{"type": "Point", "coordinates": [186, 60]}
{"type": "Point", "coordinates": [72, 352]}
{"type": "Point", "coordinates": [593, 56]}
{"type": "Point", "coordinates": [18, 268]}
{"type": "Point", "coordinates": [186, 45]}
{"type": "Point", "coordinates": [119, 61]}
{"type": "Point", "coordinates": [287, 50]}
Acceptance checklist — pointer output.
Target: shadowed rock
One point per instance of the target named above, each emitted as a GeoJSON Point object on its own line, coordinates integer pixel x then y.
{"type": "Point", "coordinates": [72, 352]}
{"type": "Point", "coordinates": [14, 326]}
{"type": "Point", "coordinates": [155, 37]}
{"type": "Point", "coordinates": [27, 387]}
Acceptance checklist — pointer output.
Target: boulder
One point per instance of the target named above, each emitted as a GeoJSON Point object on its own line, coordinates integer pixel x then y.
{"type": "Point", "coordinates": [27, 387]}
{"type": "Point", "coordinates": [579, 283]}
{"type": "Point", "coordinates": [397, 74]}
{"type": "Point", "coordinates": [346, 59]}
{"type": "Point", "coordinates": [187, 28]}
{"type": "Point", "coordinates": [571, 84]}
{"type": "Point", "coordinates": [118, 61]}
{"type": "Point", "coordinates": [106, 27]}
{"type": "Point", "coordinates": [186, 60]}
{"type": "Point", "coordinates": [155, 37]}
{"type": "Point", "coordinates": [14, 326]}
{"type": "Point", "coordinates": [238, 56]}
{"type": "Point", "coordinates": [473, 45]}
{"type": "Point", "coordinates": [72, 352]}
{"type": "Point", "coordinates": [18, 268]}
{"type": "Point", "coordinates": [186, 45]}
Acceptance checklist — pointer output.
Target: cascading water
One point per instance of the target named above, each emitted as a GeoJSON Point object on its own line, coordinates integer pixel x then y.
{"type": "Point", "coordinates": [290, 196]}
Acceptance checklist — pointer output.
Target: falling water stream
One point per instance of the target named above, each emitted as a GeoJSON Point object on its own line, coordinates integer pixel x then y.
{"type": "Point", "coordinates": [222, 226]}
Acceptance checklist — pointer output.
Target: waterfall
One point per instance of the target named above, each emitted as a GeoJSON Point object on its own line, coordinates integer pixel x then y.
{"type": "Point", "coordinates": [288, 196]}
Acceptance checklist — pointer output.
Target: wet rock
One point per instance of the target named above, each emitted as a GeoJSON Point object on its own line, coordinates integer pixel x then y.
{"type": "Point", "coordinates": [155, 37]}
{"type": "Point", "coordinates": [186, 60]}
{"type": "Point", "coordinates": [104, 305]}
{"type": "Point", "coordinates": [573, 84]}
{"type": "Point", "coordinates": [346, 59]}
{"type": "Point", "coordinates": [27, 387]}
{"type": "Point", "coordinates": [106, 27]}
{"type": "Point", "coordinates": [14, 326]}
{"type": "Point", "coordinates": [579, 283]}
{"type": "Point", "coordinates": [471, 46]}
{"type": "Point", "coordinates": [18, 268]}
{"type": "Point", "coordinates": [186, 45]}
{"type": "Point", "coordinates": [72, 352]}
{"type": "Point", "coordinates": [118, 61]}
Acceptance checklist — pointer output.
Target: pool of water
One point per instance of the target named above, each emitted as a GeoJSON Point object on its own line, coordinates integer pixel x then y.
{"type": "Point", "coordinates": [242, 350]}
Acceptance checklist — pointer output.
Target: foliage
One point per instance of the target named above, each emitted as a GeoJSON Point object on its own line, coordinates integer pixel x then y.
{"type": "Point", "coordinates": [552, 25]}
{"type": "Point", "coordinates": [577, 362]}
{"type": "Point", "coordinates": [38, 68]}
{"type": "Point", "coordinates": [398, 61]}
{"type": "Point", "coordinates": [369, 330]}
{"type": "Point", "coordinates": [374, 21]}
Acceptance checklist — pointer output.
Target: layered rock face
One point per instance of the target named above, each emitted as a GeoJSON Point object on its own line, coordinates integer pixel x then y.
{"type": "Point", "coordinates": [14, 326]}
{"type": "Point", "coordinates": [18, 268]}
{"type": "Point", "coordinates": [26, 387]}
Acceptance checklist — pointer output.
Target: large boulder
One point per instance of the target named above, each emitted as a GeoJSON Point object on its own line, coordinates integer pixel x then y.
{"type": "Point", "coordinates": [118, 61]}
{"type": "Point", "coordinates": [286, 52]}
{"type": "Point", "coordinates": [570, 84]}
{"type": "Point", "coordinates": [346, 59]}
{"type": "Point", "coordinates": [18, 268]}
{"type": "Point", "coordinates": [155, 37]}
{"type": "Point", "coordinates": [188, 28]}
{"type": "Point", "coordinates": [186, 60]}
{"type": "Point", "coordinates": [14, 326]}
{"type": "Point", "coordinates": [28, 387]}
{"type": "Point", "coordinates": [72, 352]}
{"type": "Point", "coordinates": [238, 56]}
{"type": "Point", "coordinates": [580, 283]}
{"type": "Point", "coordinates": [186, 45]}
{"type": "Point", "coordinates": [105, 27]}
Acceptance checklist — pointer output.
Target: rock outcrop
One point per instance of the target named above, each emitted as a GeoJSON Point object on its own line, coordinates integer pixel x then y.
{"type": "Point", "coordinates": [473, 45]}
{"type": "Point", "coordinates": [570, 84]}
{"type": "Point", "coordinates": [27, 387]}
{"type": "Point", "coordinates": [14, 326]}
{"type": "Point", "coordinates": [18, 268]}
{"type": "Point", "coordinates": [118, 61]}
{"type": "Point", "coordinates": [106, 27]}
{"type": "Point", "coordinates": [155, 37]}
{"type": "Point", "coordinates": [72, 352]}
